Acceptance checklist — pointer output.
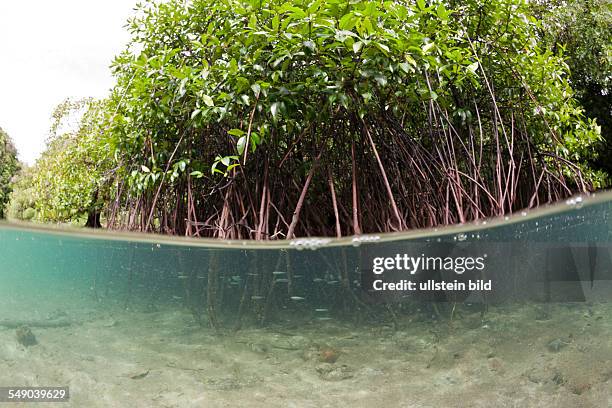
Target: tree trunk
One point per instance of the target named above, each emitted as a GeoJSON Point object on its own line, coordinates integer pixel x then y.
{"type": "Point", "coordinates": [93, 219]}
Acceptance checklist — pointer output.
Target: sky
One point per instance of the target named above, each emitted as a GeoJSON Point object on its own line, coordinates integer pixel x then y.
{"type": "Point", "coordinates": [51, 50]}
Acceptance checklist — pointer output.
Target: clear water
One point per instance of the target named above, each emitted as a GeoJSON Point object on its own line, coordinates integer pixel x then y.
{"type": "Point", "coordinates": [130, 320]}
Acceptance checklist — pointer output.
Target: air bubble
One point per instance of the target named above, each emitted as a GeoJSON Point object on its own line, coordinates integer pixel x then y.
{"type": "Point", "coordinates": [364, 238]}
{"type": "Point", "coordinates": [309, 243]}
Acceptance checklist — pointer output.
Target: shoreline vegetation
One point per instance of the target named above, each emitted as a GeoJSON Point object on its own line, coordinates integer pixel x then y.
{"type": "Point", "coordinates": [264, 120]}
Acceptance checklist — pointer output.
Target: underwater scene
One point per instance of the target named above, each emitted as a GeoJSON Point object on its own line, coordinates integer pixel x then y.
{"type": "Point", "coordinates": [149, 321]}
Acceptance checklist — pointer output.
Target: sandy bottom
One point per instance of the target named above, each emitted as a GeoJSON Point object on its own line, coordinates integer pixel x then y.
{"type": "Point", "coordinates": [519, 356]}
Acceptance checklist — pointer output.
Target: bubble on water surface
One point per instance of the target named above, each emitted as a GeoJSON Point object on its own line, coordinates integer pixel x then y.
{"type": "Point", "coordinates": [309, 243]}
{"type": "Point", "coordinates": [358, 240]}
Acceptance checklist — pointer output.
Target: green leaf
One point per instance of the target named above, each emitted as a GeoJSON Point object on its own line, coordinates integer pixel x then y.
{"type": "Point", "coordinates": [274, 109]}
{"type": "Point", "coordinates": [275, 22]}
{"type": "Point", "coordinates": [255, 139]}
{"type": "Point", "coordinates": [347, 22]}
{"type": "Point", "coordinates": [195, 113]}
{"type": "Point", "coordinates": [231, 166]}
{"type": "Point", "coordinates": [427, 47]}
{"type": "Point", "coordinates": [236, 132]}
{"type": "Point", "coordinates": [241, 144]}
{"type": "Point", "coordinates": [473, 67]}
{"type": "Point", "coordinates": [381, 79]}
{"type": "Point", "coordinates": [253, 21]}
{"type": "Point", "coordinates": [383, 47]}
{"type": "Point", "coordinates": [208, 100]}
{"type": "Point", "coordinates": [442, 12]}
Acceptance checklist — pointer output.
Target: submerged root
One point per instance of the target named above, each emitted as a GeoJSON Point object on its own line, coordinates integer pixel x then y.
{"type": "Point", "coordinates": [211, 290]}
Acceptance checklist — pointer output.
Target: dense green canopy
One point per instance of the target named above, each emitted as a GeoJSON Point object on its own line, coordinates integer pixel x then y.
{"type": "Point", "coordinates": [582, 31]}
{"type": "Point", "coordinates": [8, 167]}
{"type": "Point", "coordinates": [267, 119]}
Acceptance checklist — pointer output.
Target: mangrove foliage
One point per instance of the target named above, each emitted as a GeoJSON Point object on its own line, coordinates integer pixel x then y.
{"type": "Point", "coordinates": [276, 119]}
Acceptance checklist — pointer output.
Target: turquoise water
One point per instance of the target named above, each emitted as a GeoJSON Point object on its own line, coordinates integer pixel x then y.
{"type": "Point", "coordinates": [130, 320]}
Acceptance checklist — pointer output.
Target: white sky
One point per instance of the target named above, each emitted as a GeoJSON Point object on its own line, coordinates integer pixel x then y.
{"type": "Point", "coordinates": [51, 50]}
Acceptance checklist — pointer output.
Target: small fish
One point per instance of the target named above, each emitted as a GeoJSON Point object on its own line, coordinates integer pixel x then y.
{"type": "Point", "coordinates": [257, 297]}
{"type": "Point", "coordinates": [324, 318]}
{"type": "Point", "coordinates": [321, 310]}
{"type": "Point", "coordinates": [182, 276]}
{"type": "Point", "coordinates": [278, 273]}
{"type": "Point", "coordinates": [176, 297]}
{"type": "Point", "coordinates": [317, 280]}
{"type": "Point", "coordinates": [297, 298]}
{"type": "Point", "coordinates": [332, 282]}
{"type": "Point", "coordinates": [281, 280]}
